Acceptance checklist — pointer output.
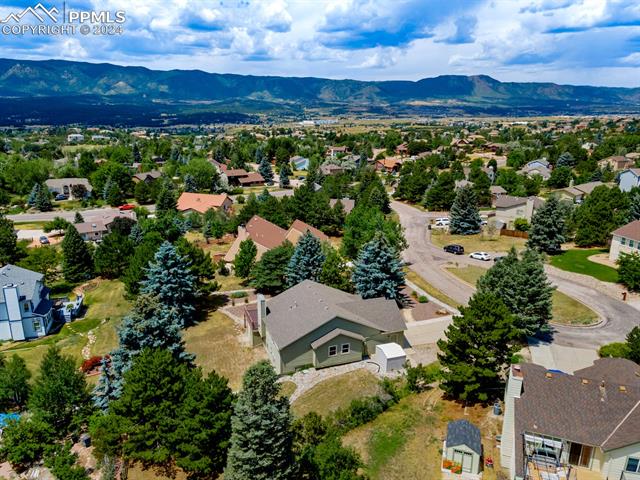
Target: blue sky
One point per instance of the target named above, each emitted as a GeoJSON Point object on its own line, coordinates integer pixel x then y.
{"type": "Point", "coordinates": [594, 42]}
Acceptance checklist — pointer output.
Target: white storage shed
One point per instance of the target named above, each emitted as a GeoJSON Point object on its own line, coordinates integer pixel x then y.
{"type": "Point", "coordinates": [390, 356]}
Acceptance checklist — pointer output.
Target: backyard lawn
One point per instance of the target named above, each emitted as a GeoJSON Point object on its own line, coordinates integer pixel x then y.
{"type": "Point", "coordinates": [406, 440]}
{"type": "Point", "coordinates": [566, 310]}
{"type": "Point", "coordinates": [337, 392]}
{"type": "Point", "coordinates": [216, 345]}
{"type": "Point", "coordinates": [106, 306]}
{"type": "Point", "coordinates": [480, 242]}
{"type": "Point", "coordinates": [577, 261]}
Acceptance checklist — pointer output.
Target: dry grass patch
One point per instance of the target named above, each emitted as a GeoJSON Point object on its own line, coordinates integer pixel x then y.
{"type": "Point", "coordinates": [337, 392]}
{"type": "Point", "coordinates": [430, 289]}
{"type": "Point", "coordinates": [287, 388]}
{"type": "Point", "coordinates": [217, 346]}
{"type": "Point", "coordinates": [481, 242]}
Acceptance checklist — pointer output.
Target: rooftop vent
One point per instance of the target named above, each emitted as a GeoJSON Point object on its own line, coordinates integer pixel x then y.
{"type": "Point", "coordinates": [548, 375]}
{"type": "Point", "coordinates": [622, 388]}
{"type": "Point", "coordinates": [585, 381]}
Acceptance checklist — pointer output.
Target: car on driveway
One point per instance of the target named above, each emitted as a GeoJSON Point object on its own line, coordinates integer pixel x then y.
{"type": "Point", "coordinates": [442, 222]}
{"type": "Point", "coordinates": [61, 196]}
{"type": "Point", "coordinates": [126, 206]}
{"type": "Point", "coordinates": [484, 256]}
{"type": "Point", "coordinates": [454, 248]}
{"type": "Point", "coordinates": [44, 240]}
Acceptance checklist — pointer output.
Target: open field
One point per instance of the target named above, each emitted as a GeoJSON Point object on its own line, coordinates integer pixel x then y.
{"type": "Point", "coordinates": [406, 440]}
{"type": "Point", "coordinates": [577, 261]}
{"type": "Point", "coordinates": [216, 345]}
{"type": "Point", "coordinates": [566, 310]}
{"type": "Point", "coordinates": [105, 308]}
{"type": "Point", "coordinates": [78, 148]}
{"type": "Point", "coordinates": [337, 392]}
{"type": "Point", "coordinates": [480, 242]}
{"type": "Point", "coordinates": [430, 289]}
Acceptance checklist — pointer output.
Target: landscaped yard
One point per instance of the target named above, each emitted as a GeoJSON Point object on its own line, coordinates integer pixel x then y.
{"type": "Point", "coordinates": [406, 440]}
{"type": "Point", "coordinates": [337, 392]}
{"type": "Point", "coordinates": [477, 243]}
{"type": "Point", "coordinates": [106, 306]}
{"type": "Point", "coordinates": [566, 310]}
{"type": "Point", "coordinates": [216, 345]}
{"type": "Point", "coordinates": [430, 289]}
{"type": "Point", "coordinates": [577, 261]}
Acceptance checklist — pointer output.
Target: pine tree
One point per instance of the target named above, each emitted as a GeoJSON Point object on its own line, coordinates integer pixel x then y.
{"type": "Point", "coordinates": [269, 274]}
{"type": "Point", "coordinates": [166, 201]}
{"type": "Point", "coordinates": [523, 286]}
{"type": "Point", "coordinates": [59, 396]}
{"type": "Point", "coordinates": [169, 278]}
{"type": "Point", "coordinates": [108, 185]}
{"type": "Point", "coordinates": [547, 227]}
{"type": "Point", "coordinates": [285, 173]}
{"type": "Point", "coordinates": [112, 255]}
{"type": "Point", "coordinates": [142, 256]}
{"type": "Point", "coordinates": [78, 218]}
{"type": "Point", "coordinates": [77, 264]}
{"type": "Point", "coordinates": [261, 437]}
{"type": "Point", "coordinates": [266, 171]}
{"type": "Point", "coordinates": [137, 156]}
{"type": "Point", "coordinates": [150, 324]}
{"type": "Point", "coordinates": [43, 199]}
{"type": "Point", "coordinates": [190, 184]}
{"type": "Point", "coordinates": [114, 195]}
{"type": "Point", "coordinates": [14, 382]}
{"type": "Point", "coordinates": [634, 204]}
{"type": "Point", "coordinates": [633, 345]}
{"type": "Point", "coordinates": [378, 271]}
{"type": "Point", "coordinates": [136, 235]}
{"type": "Point", "coordinates": [307, 260]}
{"type": "Point", "coordinates": [245, 258]}
{"type": "Point", "coordinates": [566, 160]}
{"type": "Point", "coordinates": [465, 219]}
{"type": "Point", "coordinates": [9, 252]}
{"type": "Point", "coordinates": [477, 349]}
{"type": "Point", "coordinates": [33, 195]}
{"type": "Point", "coordinates": [335, 272]}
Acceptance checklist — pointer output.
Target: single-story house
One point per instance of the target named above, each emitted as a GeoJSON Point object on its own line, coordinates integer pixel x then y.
{"type": "Point", "coordinates": [508, 208]}
{"type": "Point", "coordinates": [577, 193]}
{"type": "Point", "coordinates": [201, 202]}
{"type": "Point", "coordinates": [335, 151]}
{"type": "Point", "coordinates": [75, 138]}
{"type": "Point", "coordinates": [251, 178]}
{"type": "Point", "coordinates": [348, 204]}
{"type": "Point", "coordinates": [25, 308]}
{"type": "Point", "coordinates": [147, 177]}
{"type": "Point", "coordinates": [625, 239]}
{"type": "Point", "coordinates": [463, 446]}
{"type": "Point", "coordinates": [628, 179]}
{"type": "Point", "coordinates": [328, 169]}
{"type": "Point", "coordinates": [617, 162]}
{"type": "Point", "coordinates": [95, 228]}
{"type": "Point", "coordinates": [65, 186]}
{"type": "Point", "coordinates": [585, 425]}
{"type": "Point", "coordinates": [402, 149]}
{"type": "Point", "coordinates": [537, 167]}
{"type": "Point", "coordinates": [267, 235]}
{"type": "Point", "coordinates": [233, 174]}
{"type": "Point", "coordinates": [313, 325]}
{"type": "Point", "coordinates": [462, 184]}
{"type": "Point", "coordinates": [389, 165]}
{"type": "Point", "coordinates": [300, 163]}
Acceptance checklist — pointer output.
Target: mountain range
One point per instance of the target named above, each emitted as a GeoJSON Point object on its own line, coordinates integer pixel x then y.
{"type": "Point", "coordinates": [61, 92]}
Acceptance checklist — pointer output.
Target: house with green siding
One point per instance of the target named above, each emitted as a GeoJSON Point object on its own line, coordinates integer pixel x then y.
{"type": "Point", "coordinates": [313, 325]}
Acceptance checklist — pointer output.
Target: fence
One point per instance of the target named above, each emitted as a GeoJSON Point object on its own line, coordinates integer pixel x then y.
{"type": "Point", "coordinates": [513, 233]}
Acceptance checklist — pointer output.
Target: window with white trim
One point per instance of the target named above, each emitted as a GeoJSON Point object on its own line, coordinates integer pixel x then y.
{"type": "Point", "coordinates": [633, 465]}
{"type": "Point", "coordinates": [333, 350]}
{"type": "Point", "coordinates": [36, 325]}
{"type": "Point", "coordinates": [345, 348]}
{"type": "Point", "coordinates": [26, 307]}
{"type": "Point", "coordinates": [631, 243]}
{"type": "Point", "coordinates": [623, 241]}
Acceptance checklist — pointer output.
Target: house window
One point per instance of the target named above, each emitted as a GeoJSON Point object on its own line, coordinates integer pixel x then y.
{"type": "Point", "coordinates": [345, 348]}
{"type": "Point", "coordinates": [36, 325]}
{"type": "Point", "coordinates": [333, 350]}
{"type": "Point", "coordinates": [26, 307]}
{"type": "Point", "coordinates": [633, 465]}
{"type": "Point", "coordinates": [631, 243]}
{"type": "Point", "coordinates": [623, 241]}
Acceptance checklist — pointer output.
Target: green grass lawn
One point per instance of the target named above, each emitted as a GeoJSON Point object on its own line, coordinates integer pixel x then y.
{"type": "Point", "coordinates": [430, 289]}
{"type": "Point", "coordinates": [105, 308]}
{"type": "Point", "coordinates": [566, 310]}
{"type": "Point", "coordinates": [577, 261]}
{"type": "Point", "coordinates": [480, 242]}
{"type": "Point", "coordinates": [336, 392]}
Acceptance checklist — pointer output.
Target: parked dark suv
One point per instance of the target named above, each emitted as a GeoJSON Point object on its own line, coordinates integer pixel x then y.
{"type": "Point", "coordinates": [457, 249]}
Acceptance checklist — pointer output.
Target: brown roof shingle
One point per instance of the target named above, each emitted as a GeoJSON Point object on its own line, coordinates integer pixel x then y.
{"type": "Point", "coordinates": [630, 230]}
{"type": "Point", "coordinates": [265, 233]}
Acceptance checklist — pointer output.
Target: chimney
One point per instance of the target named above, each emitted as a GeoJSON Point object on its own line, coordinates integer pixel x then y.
{"type": "Point", "coordinates": [603, 391]}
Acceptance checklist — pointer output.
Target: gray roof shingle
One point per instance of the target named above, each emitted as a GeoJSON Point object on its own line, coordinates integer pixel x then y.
{"type": "Point", "coordinates": [463, 432]}
{"type": "Point", "coordinates": [25, 280]}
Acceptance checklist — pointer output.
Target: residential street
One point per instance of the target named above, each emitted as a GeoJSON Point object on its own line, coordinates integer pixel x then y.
{"type": "Point", "coordinates": [428, 260]}
{"type": "Point", "coordinates": [67, 214]}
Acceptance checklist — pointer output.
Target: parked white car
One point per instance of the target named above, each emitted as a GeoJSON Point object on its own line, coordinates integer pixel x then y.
{"type": "Point", "coordinates": [484, 256]}
{"type": "Point", "coordinates": [442, 222]}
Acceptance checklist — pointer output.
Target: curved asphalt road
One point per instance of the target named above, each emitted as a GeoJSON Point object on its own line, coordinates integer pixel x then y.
{"type": "Point", "coordinates": [427, 260]}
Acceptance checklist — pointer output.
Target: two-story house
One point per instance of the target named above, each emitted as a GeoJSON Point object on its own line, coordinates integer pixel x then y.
{"type": "Point", "coordinates": [628, 179]}
{"type": "Point", "coordinates": [509, 208]}
{"type": "Point", "coordinates": [625, 239]}
{"type": "Point", "coordinates": [25, 308]}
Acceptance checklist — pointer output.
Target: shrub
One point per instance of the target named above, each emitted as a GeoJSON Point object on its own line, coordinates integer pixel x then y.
{"type": "Point", "coordinates": [521, 224]}
{"type": "Point", "coordinates": [615, 350]}
{"type": "Point", "coordinates": [238, 294]}
{"type": "Point", "coordinates": [423, 299]}
{"type": "Point", "coordinates": [91, 363]}
{"type": "Point", "coordinates": [420, 376]}
{"type": "Point", "coordinates": [629, 270]}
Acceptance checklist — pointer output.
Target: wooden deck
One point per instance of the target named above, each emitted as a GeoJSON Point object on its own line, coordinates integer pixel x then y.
{"type": "Point", "coordinates": [541, 472]}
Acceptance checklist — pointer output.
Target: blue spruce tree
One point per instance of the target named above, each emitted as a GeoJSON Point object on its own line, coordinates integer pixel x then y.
{"type": "Point", "coordinates": [136, 234]}
{"type": "Point", "coordinates": [190, 184]}
{"type": "Point", "coordinates": [266, 171]}
{"type": "Point", "coordinates": [465, 219]}
{"type": "Point", "coordinates": [169, 278]}
{"type": "Point", "coordinates": [378, 271]}
{"type": "Point", "coordinates": [33, 196]}
{"type": "Point", "coordinates": [307, 260]}
{"type": "Point", "coordinates": [149, 325]}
